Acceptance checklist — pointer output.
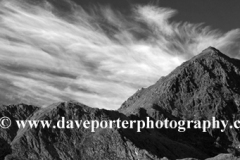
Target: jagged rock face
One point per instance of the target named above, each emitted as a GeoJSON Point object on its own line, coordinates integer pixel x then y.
{"type": "Point", "coordinates": [20, 111]}
{"type": "Point", "coordinates": [201, 84]}
{"type": "Point", "coordinates": [112, 144]}
{"type": "Point", "coordinates": [207, 85]}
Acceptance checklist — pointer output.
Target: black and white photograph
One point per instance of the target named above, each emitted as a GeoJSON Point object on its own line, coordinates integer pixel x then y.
{"type": "Point", "coordinates": [119, 80]}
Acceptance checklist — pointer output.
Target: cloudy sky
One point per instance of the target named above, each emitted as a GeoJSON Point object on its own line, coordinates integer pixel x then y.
{"type": "Point", "coordinates": [101, 52]}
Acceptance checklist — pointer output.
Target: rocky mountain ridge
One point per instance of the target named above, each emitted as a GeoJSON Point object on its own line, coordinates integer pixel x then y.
{"type": "Point", "coordinates": [207, 85]}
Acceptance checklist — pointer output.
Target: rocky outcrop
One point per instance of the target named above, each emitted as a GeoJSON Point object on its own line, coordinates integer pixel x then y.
{"type": "Point", "coordinates": [14, 112]}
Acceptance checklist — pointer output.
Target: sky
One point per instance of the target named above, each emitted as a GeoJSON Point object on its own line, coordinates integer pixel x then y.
{"type": "Point", "coordinates": [219, 14]}
{"type": "Point", "coordinates": [101, 52]}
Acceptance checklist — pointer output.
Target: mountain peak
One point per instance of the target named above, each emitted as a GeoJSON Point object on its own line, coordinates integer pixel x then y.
{"type": "Point", "coordinates": [209, 69]}
{"type": "Point", "coordinates": [211, 49]}
{"type": "Point", "coordinates": [206, 86]}
{"type": "Point", "coordinates": [211, 54]}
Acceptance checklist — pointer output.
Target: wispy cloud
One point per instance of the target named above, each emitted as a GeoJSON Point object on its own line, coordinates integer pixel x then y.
{"type": "Point", "coordinates": [98, 57]}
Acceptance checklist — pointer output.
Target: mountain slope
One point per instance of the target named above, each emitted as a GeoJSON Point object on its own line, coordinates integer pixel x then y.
{"type": "Point", "coordinates": [20, 111]}
{"type": "Point", "coordinates": [207, 85]}
{"type": "Point", "coordinates": [211, 76]}
{"type": "Point", "coordinates": [80, 143]}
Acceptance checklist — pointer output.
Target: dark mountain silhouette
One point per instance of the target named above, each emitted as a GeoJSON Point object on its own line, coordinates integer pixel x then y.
{"type": "Point", "coordinates": [207, 85]}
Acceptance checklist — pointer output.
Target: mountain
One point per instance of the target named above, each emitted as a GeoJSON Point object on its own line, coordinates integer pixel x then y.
{"type": "Point", "coordinates": [207, 85]}
{"type": "Point", "coordinates": [209, 79]}
{"type": "Point", "coordinates": [72, 144]}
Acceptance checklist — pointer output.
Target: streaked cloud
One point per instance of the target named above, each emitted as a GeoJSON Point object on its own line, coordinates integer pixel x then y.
{"type": "Point", "coordinates": [98, 56]}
